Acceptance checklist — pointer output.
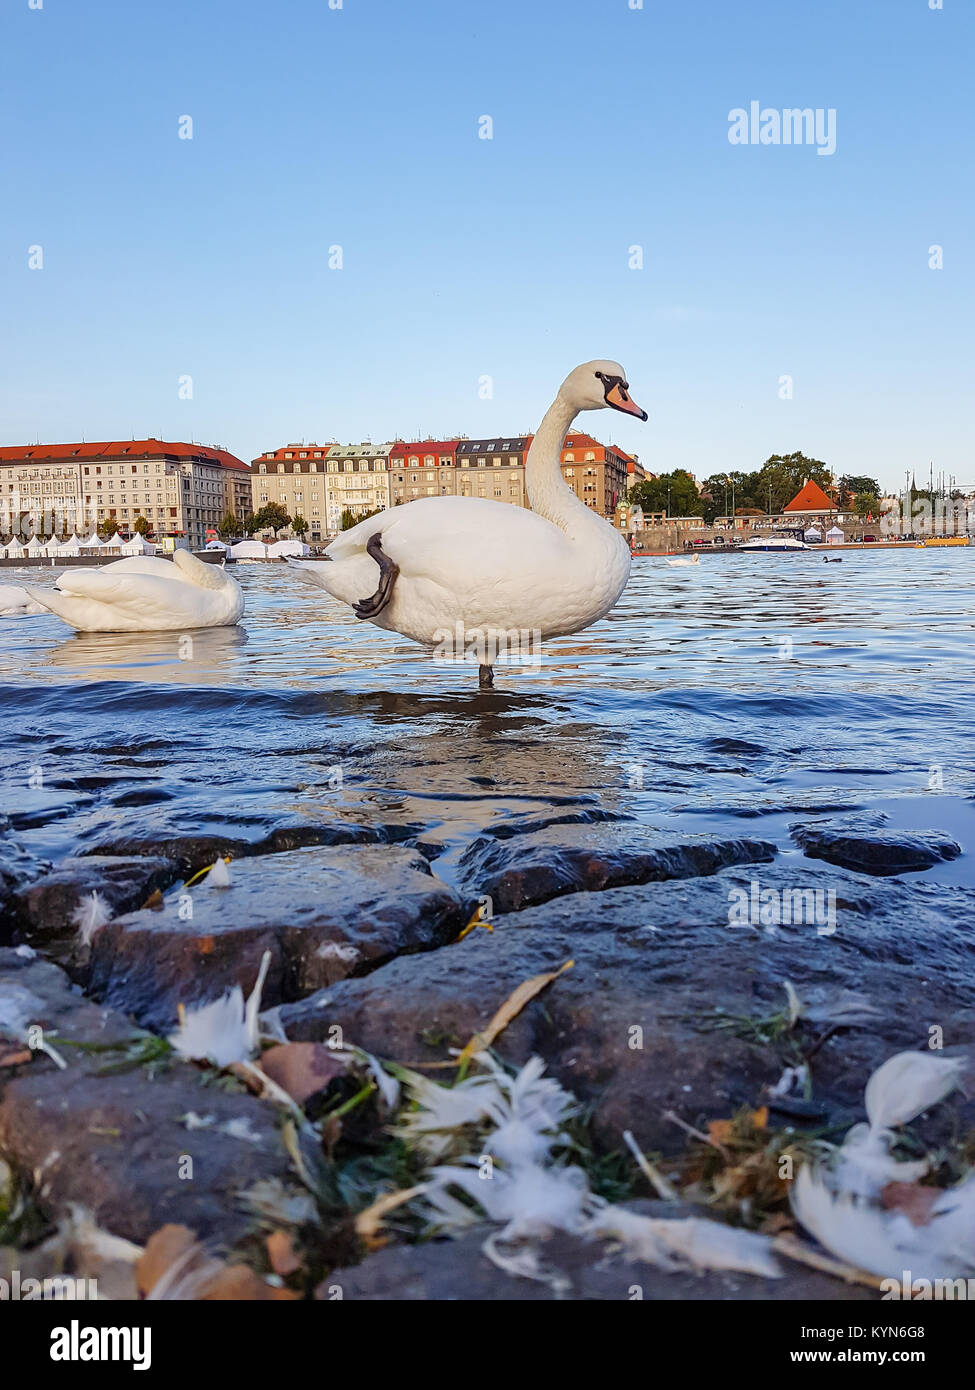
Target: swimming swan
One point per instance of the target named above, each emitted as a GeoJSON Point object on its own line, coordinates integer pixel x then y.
{"type": "Point", "coordinates": [465, 571]}
{"type": "Point", "coordinates": [16, 602]}
{"type": "Point", "coordinates": [145, 594]}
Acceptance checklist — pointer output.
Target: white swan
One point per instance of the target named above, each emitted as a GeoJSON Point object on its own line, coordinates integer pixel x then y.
{"type": "Point", "coordinates": [145, 594]}
{"type": "Point", "coordinates": [683, 559]}
{"type": "Point", "coordinates": [16, 602]}
{"type": "Point", "coordinates": [449, 570]}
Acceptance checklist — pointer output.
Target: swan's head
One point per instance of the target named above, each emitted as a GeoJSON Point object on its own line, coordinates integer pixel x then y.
{"type": "Point", "coordinates": [595, 385]}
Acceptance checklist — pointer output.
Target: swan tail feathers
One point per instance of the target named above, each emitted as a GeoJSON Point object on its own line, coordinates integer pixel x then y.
{"type": "Point", "coordinates": [204, 576]}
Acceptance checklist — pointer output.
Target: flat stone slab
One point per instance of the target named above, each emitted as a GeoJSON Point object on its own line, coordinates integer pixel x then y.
{"type": "Point", "coordinates": [47, 905]}
{"type": "Point", "coordinates": [458, 1271]}
{"type": "Point", "coordinates": [323, 913]}
{"type": "Point", "coordinates": [634, 1028]}
{"type": "Point", "coordinates": [116, 1143]}
{"type": "Point", "coordinates": [522, 870]}
{"type": "Point", "coordinates": [876, 851]}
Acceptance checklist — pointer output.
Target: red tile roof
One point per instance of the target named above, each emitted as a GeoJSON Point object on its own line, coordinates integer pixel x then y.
{"type": "Point", "coordinates": [810, 498]}
{"type": "Point", "coordinates": [125, 448]}
{"type": "Point", "coordinates": [403, 448]}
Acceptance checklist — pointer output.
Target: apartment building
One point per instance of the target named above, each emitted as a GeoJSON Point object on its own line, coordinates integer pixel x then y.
{"type": "Point", "coordinates": [492, 468]}
{"type": "Point", "coordinates": [320, 481]}
{"type": "Point", "coordinates": [423, 468]}
{"type": "Point", "coordinates": [180, 489]}
{"type": "Point", "coordinates": [358, 481]}
{"type": "Point", "coordinates": [596, 473]}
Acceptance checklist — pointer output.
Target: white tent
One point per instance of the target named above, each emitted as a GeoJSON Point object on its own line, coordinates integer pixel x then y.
{"type": "Point", "coordinates": [116, 540]}
{"type": "Point", "coordinates": [813, 535]}
{"type": "Point", "coordinates": [72, 546]}
{"type": "Point", "coordinates": [834, 536]}
{"type": "Point", "coordinates": [92, 542]}
{"type": "Point", "coordinates": [280, 549]}
{"type": "Point", "coordinates": [51, 547]}
{"type": "Point", "coordinates": [217, 545]}
{"type": "Point", "coordinates": [34, 546]}
{"type": "Point", "coordinates": [249, 550]}
{"type": "Point", "coordinates": [138, 545]}
{"type": "Point", "coordinates": [13, 549]}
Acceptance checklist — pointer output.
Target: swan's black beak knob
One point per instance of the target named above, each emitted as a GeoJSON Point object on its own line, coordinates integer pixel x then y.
{"type": "Point", "coordinates": [618, 396]}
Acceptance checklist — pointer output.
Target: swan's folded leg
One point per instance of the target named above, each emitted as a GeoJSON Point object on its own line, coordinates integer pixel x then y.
{"type": "Point", "coordinates": [388, 571]}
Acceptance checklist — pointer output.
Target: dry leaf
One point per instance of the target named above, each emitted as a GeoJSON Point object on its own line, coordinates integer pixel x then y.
{"type": "Point", "coordinates": [510, 1009]}
{"type": "Point", "coordinates": [367, 1223]}
{"type": "Point", "coordinates": [303, 1068]}
{"type": "Point", "coordinates": [15, 1059]}
{"type": "Point", "coordinates": [282, 1254]}
{"type": "Point", "coordinates": [915, 1201]}
{"type": "Point", "coordinates": [163, 1248]}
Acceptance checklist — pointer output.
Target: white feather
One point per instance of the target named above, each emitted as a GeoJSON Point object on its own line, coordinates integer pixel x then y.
{"type": "Point", "coordinates": [225, 1030]}
{"type": "Point", "coordinates": [690, 1242]}
{"type": "Point", "coordinates": [91, 914]}
{"type": "Point", "coordinates": [907, 1084]}
{"type": "Point", "coordinates": [219, 875]}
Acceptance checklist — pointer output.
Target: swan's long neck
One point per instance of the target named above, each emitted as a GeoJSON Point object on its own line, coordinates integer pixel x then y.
{"type": "Point", "coordinates": [548, 492]}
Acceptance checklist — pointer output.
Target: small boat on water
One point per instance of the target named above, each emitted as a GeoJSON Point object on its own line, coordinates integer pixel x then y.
{"type": "Point", "coordinates": [774, 543]}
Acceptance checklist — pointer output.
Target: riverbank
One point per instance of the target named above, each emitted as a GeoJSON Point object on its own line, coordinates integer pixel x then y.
{"type": "Point", "coordinates": [632, 805]}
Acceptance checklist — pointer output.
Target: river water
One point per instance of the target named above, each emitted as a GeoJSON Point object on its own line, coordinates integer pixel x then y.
{"type": "Point", "coordinates": [731, 695]}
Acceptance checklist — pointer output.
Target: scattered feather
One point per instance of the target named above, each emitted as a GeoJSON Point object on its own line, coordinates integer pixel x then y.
{"type": "Point", "coordinates": [687, 1243]}
{"type": "Point", "coordinates": [219, 875]}
{"type": "Point", "coordinates": [90, 915]}
{"type": "Point", "coordinates": [907, 1084]}
{"type": "Point", "coordinates": [225, 1030]}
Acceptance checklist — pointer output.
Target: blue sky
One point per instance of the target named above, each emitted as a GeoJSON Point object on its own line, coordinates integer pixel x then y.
{"type": "Point", "coordinates": [506, 258]}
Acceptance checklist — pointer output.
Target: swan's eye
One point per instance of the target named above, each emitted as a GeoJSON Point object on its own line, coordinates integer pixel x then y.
{"type": "Point", "coordinates": [600, 376]}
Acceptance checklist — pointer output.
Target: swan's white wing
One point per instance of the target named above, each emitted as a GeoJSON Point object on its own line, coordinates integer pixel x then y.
{"type": "Point", "coordinates": [116, 599]}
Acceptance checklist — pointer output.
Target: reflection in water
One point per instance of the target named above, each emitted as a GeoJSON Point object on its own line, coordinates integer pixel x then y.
{"type": "Point", "coordinates": [730, 694]}
{"type": "Point", "coordinates": [191, 656]}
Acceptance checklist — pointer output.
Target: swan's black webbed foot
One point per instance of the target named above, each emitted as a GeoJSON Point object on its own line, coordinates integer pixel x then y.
{"type": "Point", "coordinates": [370, 607]}
{"type": "Point", "coordinates": [485, 677]}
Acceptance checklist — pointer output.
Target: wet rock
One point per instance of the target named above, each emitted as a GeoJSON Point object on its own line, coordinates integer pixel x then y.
{"type": "Point", "coordinates": [47, 905]}
{"type": "Point", "coordinates": [323, 913]}
{"type": "Point", "coordinates": [458, 1270]}
{"type": "Point", "coordinates": [875, 851]}
{"type": "Point", "coordinates": [17, 869]}
{"type": "Point", "coordinates": [189, 852]}
{"type": "Point", "coordinates": [537, 866]}
{"type": "Point", "coordinates": [36, 806]}
{"type": "Point", "coordinates": [117, 1143]}
{"type": "Point", "coordinates": [659, 1011]}
{"type": "Point", "coordinates": [193, 852]}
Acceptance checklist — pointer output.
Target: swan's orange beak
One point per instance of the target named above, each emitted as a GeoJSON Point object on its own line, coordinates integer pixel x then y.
{"type": "Point", "coordinates": [620, 400]}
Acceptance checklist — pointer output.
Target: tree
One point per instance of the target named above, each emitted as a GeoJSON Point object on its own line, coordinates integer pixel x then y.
{"type": "Point", "coordinates": [299, 525]}
{"type": "Point", "coordinates": [227, 526]}
{"type": "Point", "coordinates": [350, 519]}
{"type": "Point", "coordinates": [866, 502]}
{"type": "Point", "coordinates": [271, 517]}
{"type": "Point", "coordinates": [674, 493]}
{"type": "Point", "coordinates": [142, 527]}
{"type": "Point", "coordinates": [106, 528]}
{"type": "Point", "coordinates": [851, 485]}
{"type": "Point", "coordinates": [782, 475]}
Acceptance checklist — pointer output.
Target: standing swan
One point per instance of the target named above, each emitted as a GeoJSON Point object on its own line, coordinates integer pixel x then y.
{"type": "Point", "coordinates": [443, 570]}
{"type": "Point", "coordinates": [145, 594]}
